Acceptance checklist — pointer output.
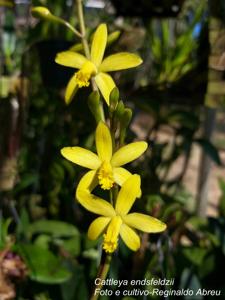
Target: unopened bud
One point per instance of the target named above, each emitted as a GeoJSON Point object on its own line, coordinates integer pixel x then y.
{"type": "Point", "coordinates": [119, 110]}
{"type": "Point", "coordinates": [112, 37]}
{"type": "Point", "coordinates": [126, 118]}
{"type": "Point", "coordinates": [113, 99]}
{"type": "Point", "coordinates": [94, 105]}
{"type": "Point", "coordinates": [41, 12]}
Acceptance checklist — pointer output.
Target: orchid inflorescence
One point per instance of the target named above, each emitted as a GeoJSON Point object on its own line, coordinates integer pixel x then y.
{"type": "Point", "coordinates": [106, 166]}
{"type": "Point", "coordinates": [106, 169]}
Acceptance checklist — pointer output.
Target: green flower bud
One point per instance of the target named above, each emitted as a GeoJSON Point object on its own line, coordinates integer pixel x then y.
{"type": "Point", "coordinates": [112, 37]}
{"type": "Point", "coordinates": [126, 118]}
{"type": "Point", "coordinates": [94, 105]}
{"type": "Point", "coordinates": [113, 99]}
{"type": "Point", "coordinates": [41, 12]}
{"type": "Point", "coordinates": [119, 110]}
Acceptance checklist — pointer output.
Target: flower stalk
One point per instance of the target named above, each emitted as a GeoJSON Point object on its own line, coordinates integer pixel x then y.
{"type": "Point", "coordinates": [102, 274]}
{"type": "Point", "coordinates": [80, 14]}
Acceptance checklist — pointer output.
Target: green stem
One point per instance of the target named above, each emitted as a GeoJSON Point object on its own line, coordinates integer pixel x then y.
{"type": "Point", "coordinates": [103, 271]}
{"type": "Point", "coordinates": [112, 131]}
{"type": "Point", "coordinates": [84, 41]}
{"type": "Point", "coordinates": [122, 137]}
{"type": "Point", "coordinates": [111, 196]}
{"type": "Point", "coordinates": [68, 25]}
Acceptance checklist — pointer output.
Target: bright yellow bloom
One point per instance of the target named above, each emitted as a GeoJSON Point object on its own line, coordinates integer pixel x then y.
{"type": "Point", "coordinates": [113, 223]}
{"type": "Point", "coordinates": [95, 67]}
{"type": "Point", "coordinates": [107, 166]}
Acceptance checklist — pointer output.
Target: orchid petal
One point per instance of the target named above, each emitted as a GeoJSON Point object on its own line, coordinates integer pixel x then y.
{"type": "Point", "coordinates": [99, 44]}
{"type": "Point", "coordinates": [97, 227]}
{"type": "Point", "coordinates": [81, 157]}
{"type": "Point", "coordinates": [120, 61]}
{"type": "Point", "coordinates": [128, 153]}
{"type": "Point", "coordinates": [130, 237]}
{"type": "Point", "coordinates": [70, 59]}
{"type": "Point", "coordinates": [89, 201]}
{"type": "Point", "coordinates": [88, 182]}
{"type": "Point", "coordinates": [127, 194]}
{"type": "Point", "coordinates": [71, 89]}
{"type": "Point", "coordinates": [105, 84]}
{"type": "Point", "coordinates": [121, 175]}
{"type": "Point", "coordinates": [103, 142]}
{"type": "Point", "coordinates": [95, 204]}
{"type": "Point", "coordinates": [144, 222]}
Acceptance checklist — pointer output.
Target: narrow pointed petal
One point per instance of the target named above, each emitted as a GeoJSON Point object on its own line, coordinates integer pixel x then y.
{"type": "Point", "coordinates": [144, 223]}
{"type": "Point", "coordinates": [105, 84]}
{"type": "Point", "coordinates": [70, 59]}
{"type": "Point", "coordinates": [98, 44]}
{"type": "Point", "coordinates": [128, 153]}
{"type": "Point", "coordinates": [88, 182]}
{"type": "Point", "coordinates": [121, 175]}
{"type": "Point", "coordinates": [103, 142]}
{"type": "Point", "coordinates": [81, 157]}
{"type": "Point", "coordinates": [71, 89]}
{"type": "Point", "coordinates": [120, 61]}
{"type": "Point", "coordinates": [130, 237]}
{"type": "Point", "coordinates": [127, 194]}
{"type": "Point", "coordinates": [97, 227]}
{"type": "Point", "coordinates": [92, 203]}
{"type": "Point", "coordinates": [95, 204]}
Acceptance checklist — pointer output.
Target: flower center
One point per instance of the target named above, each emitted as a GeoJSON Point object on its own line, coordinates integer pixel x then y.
{"type": "Point", "coordinates": [84, 74]}
{"type": "Point", "coordinates": [105, 176]}
{"type": "Point", "coordinates": [110, 241]}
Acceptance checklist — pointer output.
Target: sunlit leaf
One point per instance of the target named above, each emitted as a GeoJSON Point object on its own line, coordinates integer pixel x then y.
{"type": "Point", "coordinates": [55, 228]}
{"type": "Point", "coordinates": [43, 265]}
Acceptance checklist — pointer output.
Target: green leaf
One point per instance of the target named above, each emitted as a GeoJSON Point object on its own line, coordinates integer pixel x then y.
{"type": "Point", "coordinates": [23, 224]}
{"type": "Point", "coordinates": [76, 287]}
{"type": "Point", "coordinates": [210, 150]}
{"type": "Point", "coordinates": [185, 118]}
{"type": "Point", "coordinates": [71, 245]}
{"type": "Point", "coordinates": [4, 227]}
{"type": "Point", "coordinates": [91, 254]}
{"type": "Point", "coordinates": [68, 168]}
{"type": "Point", "coordinates": [55, 228]}
{"type": "Point", "coordinates": [153, 201]}
{"type": "Point", "coordinates": [209, 265]}
{"type": "Point", "coordinates": [195, 255]}
{"type": "Point", "coordinates": [198, 223]}
{"type": "Point", "coordinates": [43, 265]}
{"type": "Point", "coordinates": [191, 281]}
{"type": "Point", "coordinates": [27, 180]}
{"type": "Point", "coordinates": [57, 171]}
{"type": "Point", "coordinates": [43, 241]}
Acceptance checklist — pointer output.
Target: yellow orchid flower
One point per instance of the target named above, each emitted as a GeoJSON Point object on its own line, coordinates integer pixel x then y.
{"type": "Point", "coordinates": [95, 67]}
{"type": "Point", "coordinates": [106, 165]}
{"type": "Point", "coordinates": [117, 222]}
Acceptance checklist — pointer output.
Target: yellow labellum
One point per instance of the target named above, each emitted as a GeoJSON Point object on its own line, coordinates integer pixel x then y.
{"type": "Point", "coordinates": [82, 77]}
{"type": "Point", "coordinates": [105, 176]}
{"type": "Point", "coordinates": [110, 242]}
